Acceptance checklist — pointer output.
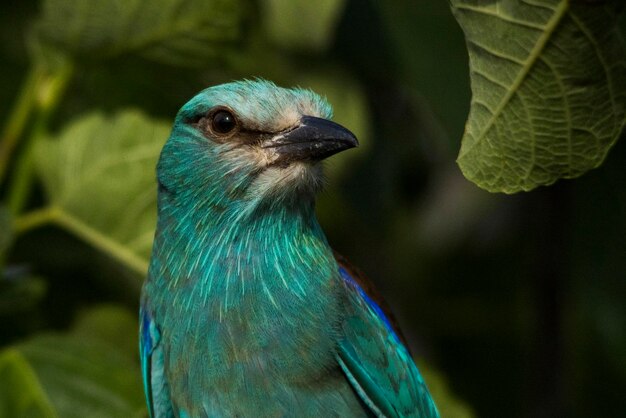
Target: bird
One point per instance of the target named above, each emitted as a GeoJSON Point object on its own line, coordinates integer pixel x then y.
{"type": "Point", "coordinates": [247, 311]}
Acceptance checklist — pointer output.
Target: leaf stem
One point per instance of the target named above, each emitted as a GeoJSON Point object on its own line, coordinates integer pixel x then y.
{"type": "Point", "coordinates": [19, 116]}
{"type": "Point", "coordinates": [48, 94]}
{"type": "Point", "coordinates": [57, 216]}
{"type": "Point", "coordinates": [102, 242]}
{"type": "Point", "coordinates": [14, 359]}
{"type": "Point", "coordinates": [33, 219]}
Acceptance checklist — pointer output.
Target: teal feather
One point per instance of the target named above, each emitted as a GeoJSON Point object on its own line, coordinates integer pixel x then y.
{"type": "Point", "coordinates": [245, 311]}
{"type": "Point", "coordinates": [376, 361]}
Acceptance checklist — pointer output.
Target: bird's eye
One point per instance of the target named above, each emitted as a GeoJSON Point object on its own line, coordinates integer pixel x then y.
{"type": "Point", "coordinates": [223, 122]}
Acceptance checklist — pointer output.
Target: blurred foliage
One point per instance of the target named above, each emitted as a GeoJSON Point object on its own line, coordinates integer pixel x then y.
{"type": "Point", "coordinates": [284, 20]}
{"type": "Point", "coordinates": [177, 32]}
{"type": "Point", "coordinates": [514, 304]}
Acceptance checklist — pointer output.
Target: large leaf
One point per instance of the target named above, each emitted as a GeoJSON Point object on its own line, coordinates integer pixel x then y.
{"type": "Point", "coordinates": [549, 89]}
{"type": "Point", "coordinates": [72, 376]}
{"type": "Point", "coordinates": [111, 324]}
{"type": "Point", "coordinates": [99, 176]}
{"type": "Point", "coordinates": [21, 395]}
{"type": "Point", "coordinates": [182, 32]}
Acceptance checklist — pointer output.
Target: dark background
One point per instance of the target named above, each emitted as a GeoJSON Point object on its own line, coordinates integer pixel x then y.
{"type": "Point", "coordinates": [517, 302]}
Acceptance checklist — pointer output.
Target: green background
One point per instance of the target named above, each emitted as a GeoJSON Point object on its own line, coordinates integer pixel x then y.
{"type": "Point", "coordinates": [514, 305]}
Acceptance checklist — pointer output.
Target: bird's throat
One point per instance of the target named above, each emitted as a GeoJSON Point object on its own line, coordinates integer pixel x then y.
{"type": "Point", "coordinates": [233, 259]}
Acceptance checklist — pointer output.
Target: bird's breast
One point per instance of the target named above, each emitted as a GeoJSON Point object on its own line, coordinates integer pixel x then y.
{"type": "Point", "coordinates": [258, 333]}
{"type": "Point", "coordinates": [290, 336]}
{"type": "Point", "coordinates": [247, 314]}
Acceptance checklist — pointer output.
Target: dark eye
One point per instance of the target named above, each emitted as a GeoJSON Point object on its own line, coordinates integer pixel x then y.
{"type": "Point", "coordinates": [222, 122]}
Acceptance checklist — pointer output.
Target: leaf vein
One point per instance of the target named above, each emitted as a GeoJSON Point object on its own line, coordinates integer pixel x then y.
{"type": "Point", "coordinates": [568, 114]}
{"type": "Point", "coordinates": [489, 78]}
{"type": "Point", "coordinates": [528, 63]}
{"type": "Point", "coordinates": [605, 67]}
{"type": "Point", "coordinates": [496, 54]}
{"type": "Point", "coordinates": [537, 4]}
{"type": "Point", "coordinates": [503, 17]}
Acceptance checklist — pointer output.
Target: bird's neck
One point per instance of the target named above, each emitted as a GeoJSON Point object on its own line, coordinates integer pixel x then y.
{"type": "Point", "coordinates": [234, 255]}
{"type": "Point", "coordinates": [258, 288]}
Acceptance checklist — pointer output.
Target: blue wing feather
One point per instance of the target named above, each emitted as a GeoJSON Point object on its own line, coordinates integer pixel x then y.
{"type": "Point", "coordinates": [151, 354]}
{"type": "Point", "coordinates": [370, 302]}
{"type": "Point", "coordinates": [375, 360]}
{"type": "Point", "coordinates": [146, 347]}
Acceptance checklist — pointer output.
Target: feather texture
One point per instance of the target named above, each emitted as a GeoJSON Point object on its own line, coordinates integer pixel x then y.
{"type": "Point", "coordinates": [377, 362]}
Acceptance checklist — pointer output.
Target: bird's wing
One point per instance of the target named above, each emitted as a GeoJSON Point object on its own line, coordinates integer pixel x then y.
{"type": "Point", "coordinates": [375, 359]}
{"type": "Point", "coordinates": [152, 368]}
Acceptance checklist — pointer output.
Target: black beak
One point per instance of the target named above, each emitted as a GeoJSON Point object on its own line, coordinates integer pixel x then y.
{"type": "Point", "coordinates": [313, 140]}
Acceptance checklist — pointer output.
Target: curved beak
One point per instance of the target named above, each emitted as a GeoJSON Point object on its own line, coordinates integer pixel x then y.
{"type": "Point", "coordinates": [313, 140]}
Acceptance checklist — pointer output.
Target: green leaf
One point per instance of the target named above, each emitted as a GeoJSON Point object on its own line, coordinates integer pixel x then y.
{"type": "Point", "coordinates": [549, 89]}
{"type": "Point", "coordinates": [71, 375]}
{"type": "Point", "coordinates": [99, 176]}
{"type": "Point", "coordinates": [21, 394]}
{"type": "Point", "coordinates": [112, 324]}
{"type": "Point", "coordinates": [301, 24]}
{"type": "Point", "coordinates": [178, 32]}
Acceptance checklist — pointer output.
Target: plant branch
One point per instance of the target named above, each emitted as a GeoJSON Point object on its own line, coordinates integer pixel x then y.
{"type": "Point", "coordinates": [57, 216]}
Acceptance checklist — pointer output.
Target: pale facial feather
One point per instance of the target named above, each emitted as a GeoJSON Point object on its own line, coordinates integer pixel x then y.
{"type": "Point", "coordinates": [278, 181]}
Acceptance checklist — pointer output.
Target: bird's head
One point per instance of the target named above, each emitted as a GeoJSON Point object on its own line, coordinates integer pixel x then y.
{"type": "Point", "coordinates": [250, 141]}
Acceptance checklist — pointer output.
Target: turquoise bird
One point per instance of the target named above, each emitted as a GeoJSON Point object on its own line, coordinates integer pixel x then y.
{"type": "Point", "coordinates": [246, 311]}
